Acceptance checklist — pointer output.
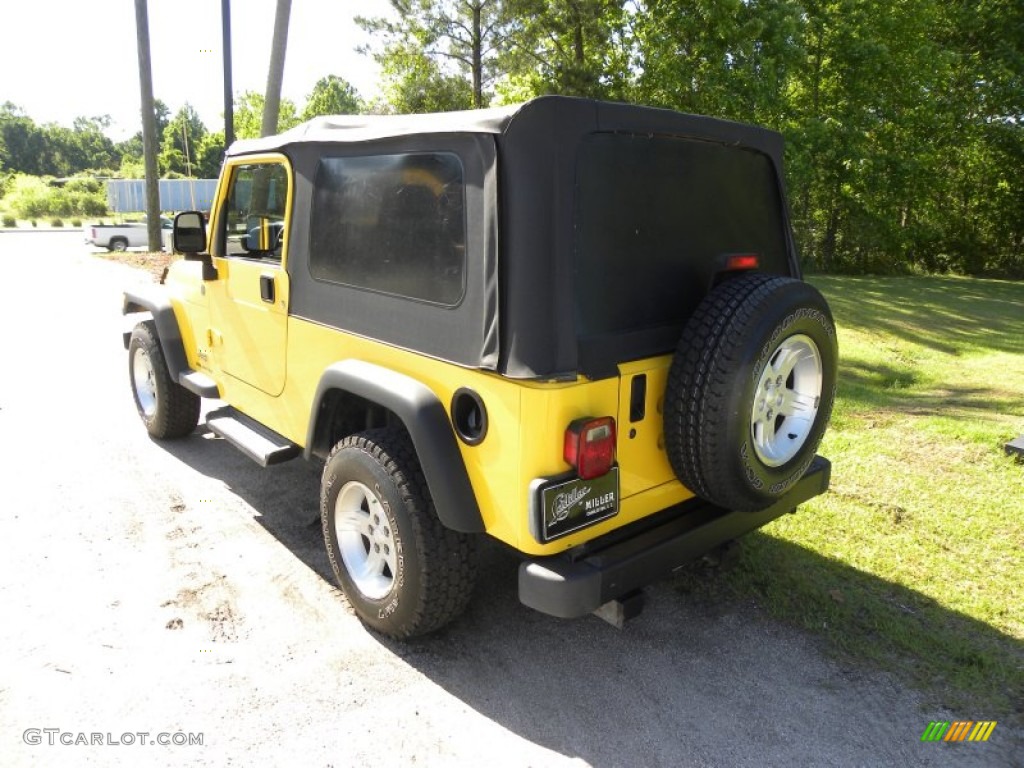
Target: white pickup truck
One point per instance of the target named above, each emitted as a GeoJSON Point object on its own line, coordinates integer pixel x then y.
{"type": "Point", "coordinates": [120, 237]}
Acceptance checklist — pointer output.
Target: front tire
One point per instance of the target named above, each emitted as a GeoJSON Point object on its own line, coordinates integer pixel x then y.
{"type": "Point", "coordinates": [402, 571]}
{"type": "Point", "coordinates": [166, 408]}
{"type": "Point", "coordinates": [751, 390]}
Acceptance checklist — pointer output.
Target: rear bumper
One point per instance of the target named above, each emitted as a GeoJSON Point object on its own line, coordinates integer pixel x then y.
{"type": "Point", "coordinates": [583, 579]}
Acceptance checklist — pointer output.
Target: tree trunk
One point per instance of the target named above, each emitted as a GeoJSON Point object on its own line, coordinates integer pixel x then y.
{"type": "Point", "coordinates": [828, 246]}
{"type": "Point", "coordinates": [478, 66]}
{"type": "Point", "coordinates": [149, 138]}
{"type": "Point", "coordinates": [272, 103]}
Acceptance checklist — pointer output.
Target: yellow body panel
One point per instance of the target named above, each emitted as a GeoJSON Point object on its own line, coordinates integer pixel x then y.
{"type": "Point", "coordinates": [249, 335]}
{"type": "Point", "coordinates": [192, 311]}
{"type": "Point", "coordinates": [643, 461]}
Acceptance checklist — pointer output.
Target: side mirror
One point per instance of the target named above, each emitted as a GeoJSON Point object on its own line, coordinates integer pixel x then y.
{"type": "Point", "coordinates": [189, 237]}
{"type": "Point", "coordinates": [189, 232]}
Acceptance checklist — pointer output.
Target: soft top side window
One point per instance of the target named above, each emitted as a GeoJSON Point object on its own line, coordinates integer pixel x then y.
{"type": "Point", "coordinates": [252, 222]}
{"type": "Point", "coordinates": [393, 224]}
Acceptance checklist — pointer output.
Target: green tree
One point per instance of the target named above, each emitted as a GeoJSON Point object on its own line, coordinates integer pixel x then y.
{"type": "Point", "coordinates": [249, 115]}
{"type": "Point", "coordinates": [181, 139]}
{"type": "Point", "coordinates": [332, 95]}
{"type": "Point", "coordinates": [209, 155]}
{"type": "Point", "coordinates": [93, 148]}
{"type": "Point", "coordinates": [571, 47]}
{"type": "Point", "coordinates": [23, 140]}
{"type": "Point", "coordinates": [729, 58]}
{"type": "Point", "coordinates": [415, 84]}
{"type": "Point", "coordinates": [456, 36]}
{"type": "Point", "coordinates": [130, 150]}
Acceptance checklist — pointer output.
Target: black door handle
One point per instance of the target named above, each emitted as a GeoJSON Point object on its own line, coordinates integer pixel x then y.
{"type": "Point", "coordinates": [267, 288]}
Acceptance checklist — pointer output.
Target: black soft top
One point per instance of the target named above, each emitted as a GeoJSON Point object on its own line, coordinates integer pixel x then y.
{"type": "Point", "coordinates": [519, 314]}
{"type": "Point", "coordinates": [528, 123]}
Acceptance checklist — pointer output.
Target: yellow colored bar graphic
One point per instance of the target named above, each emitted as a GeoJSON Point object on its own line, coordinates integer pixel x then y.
{"type": "Point", "coordinates": [982, 731]}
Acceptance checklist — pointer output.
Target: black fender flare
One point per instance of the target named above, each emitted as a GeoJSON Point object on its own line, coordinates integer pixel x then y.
{"type": "Point", "coordinates": [156, 301]}
{"type": "Point", "coordinates": [426, 421]}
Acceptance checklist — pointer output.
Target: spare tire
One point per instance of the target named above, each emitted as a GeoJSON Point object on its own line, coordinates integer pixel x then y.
{"type": "Point", "coordinates": [750, 390]}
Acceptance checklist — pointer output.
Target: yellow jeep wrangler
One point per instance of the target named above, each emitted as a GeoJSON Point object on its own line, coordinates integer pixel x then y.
{"type": "Point", "coordinates": [576, 327]}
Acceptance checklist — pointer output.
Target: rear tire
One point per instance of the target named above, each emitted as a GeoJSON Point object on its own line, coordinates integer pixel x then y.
{"type": "Point", "coordinates": [750, 390]}
{"type": "Point", "coordinates": [118, 244]}
{"type": "Point", "coordinates": [402, 571]}
{"type": "Point", "coordinates": [166, 408]}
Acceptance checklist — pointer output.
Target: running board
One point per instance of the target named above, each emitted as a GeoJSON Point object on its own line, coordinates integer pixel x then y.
{"type": "Point", "coordinates": [262, 445]}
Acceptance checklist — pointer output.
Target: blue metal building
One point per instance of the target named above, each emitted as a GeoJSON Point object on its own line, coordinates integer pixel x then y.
{"type": "Point", "coordinates": [129, 195]}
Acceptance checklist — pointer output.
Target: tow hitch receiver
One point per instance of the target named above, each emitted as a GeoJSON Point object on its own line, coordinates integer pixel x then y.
{"type": "Point", "coordinates": [618, 612]}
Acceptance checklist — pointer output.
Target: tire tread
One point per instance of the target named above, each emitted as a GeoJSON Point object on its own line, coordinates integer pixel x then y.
{"type": "Point", "coordinates": [448, 558]}
{"type": "Point", "coordinates": [177, 411]}
{"type": "Point", "coordinates": [704, 372]}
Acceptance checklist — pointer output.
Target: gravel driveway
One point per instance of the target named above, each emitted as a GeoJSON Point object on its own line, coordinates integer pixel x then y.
{"type": "Point", "coordinates": [179, 591]}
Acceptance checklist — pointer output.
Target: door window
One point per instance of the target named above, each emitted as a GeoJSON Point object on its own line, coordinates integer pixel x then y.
{"type": "Point", "coordinates": [252, 224]}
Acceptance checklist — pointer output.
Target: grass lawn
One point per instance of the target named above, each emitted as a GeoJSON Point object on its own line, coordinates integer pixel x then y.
{"type": "Point", "coordinates": [914, 560]}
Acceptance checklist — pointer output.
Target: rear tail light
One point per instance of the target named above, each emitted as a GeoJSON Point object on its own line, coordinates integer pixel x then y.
{"type": "Point", "coordinates": [590, 446]}
{"type": "Point", "coordinates": [740, 261]}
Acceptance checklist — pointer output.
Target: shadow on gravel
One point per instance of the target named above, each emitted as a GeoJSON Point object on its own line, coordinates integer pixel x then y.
{"type": "Point", "coordinates": [286, 497]}
{"type": "Point", "coordinates": [703, 656]}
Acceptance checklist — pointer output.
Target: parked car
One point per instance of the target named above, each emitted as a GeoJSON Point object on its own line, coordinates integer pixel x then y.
{"type": "Point", "coordinates": [120, 237]}
{"type": "Point", "coordinates": [578, 328]}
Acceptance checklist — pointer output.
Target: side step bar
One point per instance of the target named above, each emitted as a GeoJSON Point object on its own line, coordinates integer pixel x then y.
{"type": "Point", "coordinates": [262, 445]}
{"type": "Point", "coordinates": [199, 383]}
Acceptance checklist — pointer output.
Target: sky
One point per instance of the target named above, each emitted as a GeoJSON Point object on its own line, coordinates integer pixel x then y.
{"type": "Point", "coordinates": [61, 59]}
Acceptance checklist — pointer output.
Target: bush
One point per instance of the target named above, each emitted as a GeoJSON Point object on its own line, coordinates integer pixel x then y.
{"type": "Point", "coordinates": [31, 198]}
{"type": "Point", "coordinates": [56, 223]}
{"type": "Point", "coordinates": [91, 205]}
{"type": "Point", "coordinates": [84, 184]}
{"type": "Point", "coordinates": [76, 222]}
{"type": "Point", "coordinates": [10, 221]}
{"type": "Point", "coordinates": [34, 224]}
{"type": "Point", "coordinates": [58, 203]}
{"type": "Point", "coordinates": [27, 197]}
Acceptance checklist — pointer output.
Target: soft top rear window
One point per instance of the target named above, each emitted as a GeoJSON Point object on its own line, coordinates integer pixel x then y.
{"type": "Point", "coordinates": [654, 217]}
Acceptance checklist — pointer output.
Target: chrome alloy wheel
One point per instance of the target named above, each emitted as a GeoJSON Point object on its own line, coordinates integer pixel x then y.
{"type": "Point", "coordinates": [786, 400]}
{"type": "Point", "coordinates": [144, 379]}
{"type": "Point", "coordinates": [366, 540]}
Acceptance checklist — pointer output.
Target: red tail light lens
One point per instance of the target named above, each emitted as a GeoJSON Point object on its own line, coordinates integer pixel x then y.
{"type": "Point", "coordinates": [742, 261]}
{"type": "Point", "coordinates": [590, 446]}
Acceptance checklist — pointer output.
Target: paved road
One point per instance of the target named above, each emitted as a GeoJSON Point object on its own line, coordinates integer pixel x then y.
{"type": "Point", "coordinates": [179, 589]}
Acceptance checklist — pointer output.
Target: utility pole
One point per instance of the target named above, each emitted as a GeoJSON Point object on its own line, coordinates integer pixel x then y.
{"type": "Point", "coordinates": [229, 97]}
{"type": "Point", "coordinates": [272, 102]}
{"type": "Point", "coordinates": [149, 138]}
